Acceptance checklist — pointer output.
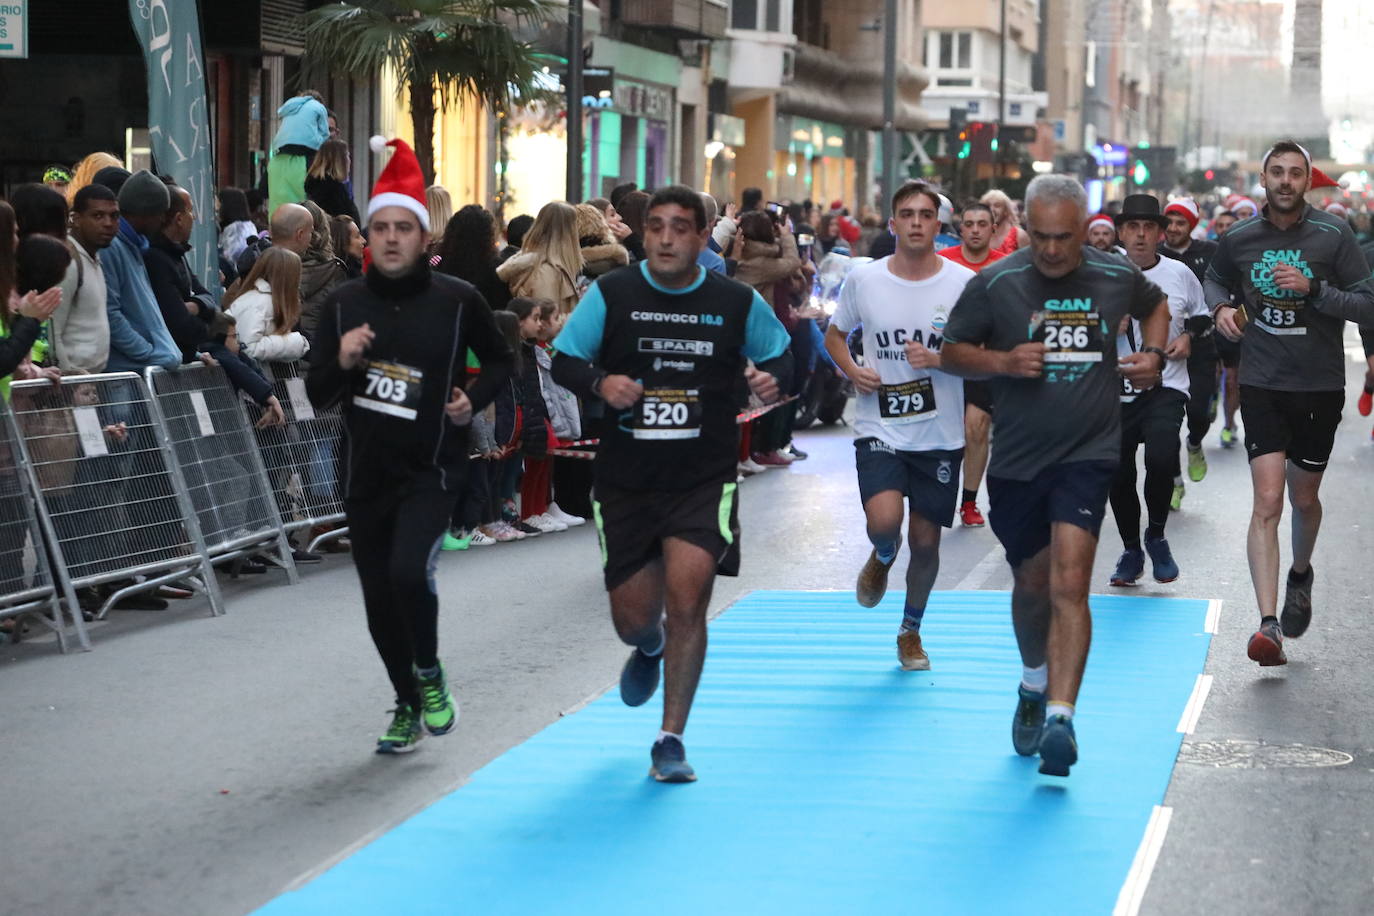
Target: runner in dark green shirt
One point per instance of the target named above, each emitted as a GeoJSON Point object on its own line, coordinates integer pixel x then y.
{"type": "Point", "coordinates": [1302, 276]}
{"type": "Point", "coordinates": [1042, 324]}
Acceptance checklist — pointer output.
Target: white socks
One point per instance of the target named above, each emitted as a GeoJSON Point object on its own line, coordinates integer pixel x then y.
{"type": "Point", "coordinates": [1036, 679]}
{"type": "Point", "coordinates": [662, 734]}
{"type": "Point", "coordinates": [1059, 709]}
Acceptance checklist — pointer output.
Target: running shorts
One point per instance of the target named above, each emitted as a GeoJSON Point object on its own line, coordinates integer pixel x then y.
{"type": "Point", "coordinates": [632, 525]}
{"type": "Point", "coordinates": [1022, 512]}
{"type": "Point", "coordinates": [929, 480]}
{"type": "Point", "coordinates": [1300, 424]}
{"type": "Point", "coordinates": [979, 394]}
{"type": "Point", "coordinates": [1228, 351]}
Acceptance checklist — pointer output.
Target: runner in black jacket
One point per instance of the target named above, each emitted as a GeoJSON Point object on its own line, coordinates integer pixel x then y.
{"type": "Point", "coordinates": [391, 349]}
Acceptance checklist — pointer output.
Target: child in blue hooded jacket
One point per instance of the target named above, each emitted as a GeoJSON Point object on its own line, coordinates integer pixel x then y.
{"type": "Point", "coordinates": [304, 126]}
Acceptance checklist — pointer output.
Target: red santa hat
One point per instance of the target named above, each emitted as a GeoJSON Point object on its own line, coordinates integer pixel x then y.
{"type": "Point", "coordinates": [1322, 180]}
{"type": "Point", "coordinates": [1102, 218]}
{"type": "Point", "coordinates": [1236, 202]}
{"type": "Point", "coordinates": [1319, 178]}
{"type": "Point", "coordinates": [401, 183]}
{"type": "Point", "coordinates": [1186, 208]}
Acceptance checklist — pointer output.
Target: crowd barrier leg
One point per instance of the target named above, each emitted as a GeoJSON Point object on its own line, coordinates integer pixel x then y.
{"type": "Point", "coordinates": [302, 460]}
{"type": "Point", "coordinates": [220, 465]}
{"type": "Point", "coordinates": [30, 532]}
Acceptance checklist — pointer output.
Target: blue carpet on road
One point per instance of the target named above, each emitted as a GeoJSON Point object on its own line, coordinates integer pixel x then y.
{"type": "Point", "coordinates": [830, 780]}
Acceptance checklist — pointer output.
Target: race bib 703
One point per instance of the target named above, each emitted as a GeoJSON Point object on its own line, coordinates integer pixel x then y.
{"type": "Point", "coordinates": [389, 388]}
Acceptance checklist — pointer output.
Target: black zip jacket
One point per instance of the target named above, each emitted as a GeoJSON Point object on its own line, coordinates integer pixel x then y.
{"type": "Point", "coordinates": [398, 438]}
{"type": "Point", "coordinates": [174, 285]}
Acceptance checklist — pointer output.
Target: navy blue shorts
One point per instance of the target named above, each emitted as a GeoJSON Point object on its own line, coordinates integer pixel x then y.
{"type": "Point", "coordinates": [1023, 511]}
{"type": "Point", "coordinates": [929, 480]}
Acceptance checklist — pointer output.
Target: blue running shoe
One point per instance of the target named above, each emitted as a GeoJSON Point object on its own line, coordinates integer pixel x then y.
{"type": "Point", "coordinates": [670, 761]}
{"type": "Point", "coordinates": [1129, 568]}
{"type": "Point", "coordinates": [1162, 558]}
{"type": "Point", "coordinates": [1058, 746]}
{"type": "Point", "coordinates": [1028, 722]}
{"type": "Point", "coordinates": [639, 678]}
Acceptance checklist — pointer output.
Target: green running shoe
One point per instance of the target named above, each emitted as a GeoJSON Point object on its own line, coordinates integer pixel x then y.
{"type": "Point", "coordinates": [1197, 464]}
{"type": "Point", "coordinates": [1228, 437]}
{"type": "Point", "coordinates": [456, 543]}
{"type": "Point", "coordinates": [1176, 501]}
{"type": "Point", "coordinates": [440, 712]}
{"type": "Point", "coordinates": [404, 732]}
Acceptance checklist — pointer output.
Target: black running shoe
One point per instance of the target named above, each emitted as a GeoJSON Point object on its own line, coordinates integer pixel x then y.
{"type": "Point", "coordinates": [1058, 747]}
{"type": "Point", "coordinates": [1297, 605]}
{"type": "Point", "coordinates": [639, 678]}
{"type": "Point", "coordinates": [670, 761]}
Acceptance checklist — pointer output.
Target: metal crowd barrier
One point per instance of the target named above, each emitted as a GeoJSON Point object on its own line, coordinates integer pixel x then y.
{"type": "Point", "coordinates": [220, 464]}
{"type": "Point", "coordinates": [303, 458]}
{"type": "Point", "coordinates": [28, 551]}
{"type": "Point", "coordinates": [112, 486]}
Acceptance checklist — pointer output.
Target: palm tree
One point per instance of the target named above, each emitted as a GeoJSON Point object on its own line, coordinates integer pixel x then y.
{"type": "Point", "coordinates": [465, 49]}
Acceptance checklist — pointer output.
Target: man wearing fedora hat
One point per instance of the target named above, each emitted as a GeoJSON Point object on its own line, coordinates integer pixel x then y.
{"type": "Point", "coordinates": [1153, 417]}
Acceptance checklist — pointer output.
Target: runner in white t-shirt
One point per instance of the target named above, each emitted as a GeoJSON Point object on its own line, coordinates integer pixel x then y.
{"type": "Point", "coordinates": [909, 416]}
{"type": "Point", "coordinates": [1153, 417]}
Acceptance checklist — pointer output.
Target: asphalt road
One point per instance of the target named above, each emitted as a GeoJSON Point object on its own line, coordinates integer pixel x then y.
{"type": "Point", "coordinates": [192, 765]}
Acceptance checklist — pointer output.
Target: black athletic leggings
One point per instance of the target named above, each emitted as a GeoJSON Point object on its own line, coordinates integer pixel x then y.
{"type": "Point", "coordinates": [1154, 419]}
{"type": "Point", "coordinates": [396, 542]}
{"type": "Point", "coordinates": [1202, 384]}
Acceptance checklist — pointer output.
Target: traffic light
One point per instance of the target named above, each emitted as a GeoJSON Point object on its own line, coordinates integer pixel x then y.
{"type": "Point", "coordinates": [1154, 166]}
{"type": "Point", "coordinates": [982, 141]}
{"type": "Point", "coordinates": [956, 135]}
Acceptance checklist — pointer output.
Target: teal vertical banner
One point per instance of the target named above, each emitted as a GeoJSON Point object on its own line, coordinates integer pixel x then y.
{"type": "Point", "coordinates": [178, 115]}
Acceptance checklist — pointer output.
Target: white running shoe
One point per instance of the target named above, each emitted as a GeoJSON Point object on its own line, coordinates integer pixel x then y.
{"type": "Point", "coordinates": [480, 538]}
{"type": "Point", "coordinates": [506, 527]}
{"type": "Point", "coordinates": [567, 518]}
{"type": "Point", "coordinates": [750, 467]}
{"type": "Point", "coordinates": [498, 533]}
{"type": "Point", "coordinates": [545, 523]}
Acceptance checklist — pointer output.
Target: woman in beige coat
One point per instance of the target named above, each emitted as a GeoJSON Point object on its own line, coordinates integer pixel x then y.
{"type": "Point", "coordinates": [550, 259]}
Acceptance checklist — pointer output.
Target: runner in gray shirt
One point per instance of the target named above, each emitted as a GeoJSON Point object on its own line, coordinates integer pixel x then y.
{"type": "Point", "coordinates": [1301, 276]}
{"type": "Point", "coordinates": [1042, 324]}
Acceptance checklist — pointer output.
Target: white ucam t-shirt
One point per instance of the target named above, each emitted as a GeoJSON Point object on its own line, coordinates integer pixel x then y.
{"type": "Point", "coordinates": [1186, 301]}
{"type": "Point", "coordinates": [916, 409]}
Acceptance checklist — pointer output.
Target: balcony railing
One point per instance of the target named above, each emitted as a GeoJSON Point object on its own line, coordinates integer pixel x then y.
{"type": "Point", "coordinates": [687, 18]}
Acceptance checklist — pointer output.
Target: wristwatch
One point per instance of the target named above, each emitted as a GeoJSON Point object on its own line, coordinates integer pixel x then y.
{"type": "Point", "coordinates": [1163, 360]}
{"type": "Point", "coordinates": [1314, 287]}
{"type": "Point", "coordinates": [596, 384]}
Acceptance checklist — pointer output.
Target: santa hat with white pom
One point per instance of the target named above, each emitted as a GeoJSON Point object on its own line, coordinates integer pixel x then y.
{"type": "Point", "coordinates": [401, 183]}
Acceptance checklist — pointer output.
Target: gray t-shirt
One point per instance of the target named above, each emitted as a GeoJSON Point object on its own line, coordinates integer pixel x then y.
{"type": "Point", "coordinates": [1072, 412]}
{"type": "Point", "coordinates": [1293, 342]}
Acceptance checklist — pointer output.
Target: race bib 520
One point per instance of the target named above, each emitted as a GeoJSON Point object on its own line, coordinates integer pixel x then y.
{"type": "Point", "coordinates": [668, 413]}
